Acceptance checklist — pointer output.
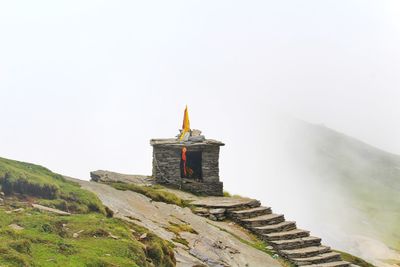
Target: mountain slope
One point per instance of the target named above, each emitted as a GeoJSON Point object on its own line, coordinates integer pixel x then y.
{"type": "Point", "coordinates": [82, 235]}
{"type": "Point", "coordinates": [209, 244]}
{"type": "Point", "coordinates": [361, 181]}
{"type": "Point", "coordinates": [142, 233]}
{"type": "Point", "coordinates": [50, 188]}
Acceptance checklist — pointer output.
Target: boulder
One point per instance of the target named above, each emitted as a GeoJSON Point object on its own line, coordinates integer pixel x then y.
{"type": "Point", "coordinates": [16, 227]}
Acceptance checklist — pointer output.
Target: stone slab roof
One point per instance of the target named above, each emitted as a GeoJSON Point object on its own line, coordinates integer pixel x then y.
{"type": "Point", "coordinates": [176, 142]}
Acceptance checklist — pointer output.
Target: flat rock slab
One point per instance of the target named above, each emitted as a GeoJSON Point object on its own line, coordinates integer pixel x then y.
{"type": "Point", "coordinates": [296, 243]}
{"type": "Point", "coordinates": [330, 264]}
{"type": "Point", "coordinates": [217, 211]}
{"type": "Point", "coordinates": [258, 210]}
{"type": "Point", "coordinates": [16, 227]}
{"type": "Point", "coordinates": [107, 176]}
{"type": "Point", "coordinates": [292, 234]}
{"type": "Point", "coordinates": [226, 202]}
{"type": "Point", "coordinates": [306, 252]}
{"type": "Point", "coordinates": [321, 258]}
{"type": "Point", "coordinates": [262, 220]}
{"type": "Point", "coordinates": [278, 227]}
{"type": "Point", "coordinates": [56, 211]}
{"type": "Point", "coordinates": [200, 210]}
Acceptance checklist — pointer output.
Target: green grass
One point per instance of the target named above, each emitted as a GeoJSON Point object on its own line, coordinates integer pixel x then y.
{"type": "Point", "coordinates": [227, 194]}
{"type": "Point", "coordinates": [365, 179]}
{"type": "Point", "coordinates": [52, 189]}
{"type": "Point", "coordinates": [181, 241]}
{"type": "Point", "coordinates": [379, 206]}
{"type": "Point", "coordinates": [89, 237]}
{"type": "Point", "coordinates": [354, 260]}
{"type": "Point", "coordinates": [177, 229]}
{"type": "Point", "coordinates": [181, 227]}
{"type": "Point", "coordinates": [48, 240]}
{"type": "Point", "coordinates": [154, 192]}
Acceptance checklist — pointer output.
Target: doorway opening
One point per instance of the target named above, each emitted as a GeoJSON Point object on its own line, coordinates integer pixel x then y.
{"type": "Point", "coordinates": [193, 165]}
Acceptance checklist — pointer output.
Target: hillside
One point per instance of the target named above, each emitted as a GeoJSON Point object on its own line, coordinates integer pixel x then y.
{"type": "Point", "coordinates": [50, 220]}
{"type": "Point", "coordinates": [84, 234]}
{"type": "Point", "coordinates": [228, 234]}
{"type": "Point", "coordinates": [360, 181]}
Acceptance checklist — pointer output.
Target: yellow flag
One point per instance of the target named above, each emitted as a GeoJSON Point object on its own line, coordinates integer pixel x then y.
{"type": "Point", "coordinates": [186, 123]}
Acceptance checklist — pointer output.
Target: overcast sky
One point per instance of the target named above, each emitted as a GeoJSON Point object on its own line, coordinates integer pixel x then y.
{"type": "Point", "coordinates": [84, 85]}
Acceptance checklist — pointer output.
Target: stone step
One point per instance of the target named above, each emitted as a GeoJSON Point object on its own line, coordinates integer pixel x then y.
{"type": "Point", "coordinates": [228, 203]}
{"type": "Point", "coordinates": [248, 205]}
{"type": "Point", "coordinates": [305, 252]}
{"type": "Point", "coordinates": [273, 228]}
{"type": "Point", "coordinates": [321, 258]}
{"type": "Point", "coordinates": [263, 220]}
{"type": "Point", "coordinates": [330, 264]}
{"type": "Point", "coordinates": [291, 234]}
{"type": "Point", "coordinates": [296, 243]}
{"type": "Point", "coordinates": [250, 213]}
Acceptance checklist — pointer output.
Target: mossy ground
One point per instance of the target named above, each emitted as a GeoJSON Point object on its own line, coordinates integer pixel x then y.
{"type": "Point", "coordinates": [354, 260]}
{"type": "Point", "coordinates": [48, 240]}
{"type": "Point", "coordinates": [50, 188]}
{"type": "Point", "coordinates": [154, 192]}
{"type": "Point", "coordinates": [29, 237]}
{"type": "Point", "coordinates": [227, 194]}
{"type": "Point", "coordinates": [177, 229]}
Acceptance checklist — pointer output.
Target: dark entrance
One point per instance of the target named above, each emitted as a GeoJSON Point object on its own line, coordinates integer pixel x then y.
{"type": "Point", "coordinates": [193, 165]}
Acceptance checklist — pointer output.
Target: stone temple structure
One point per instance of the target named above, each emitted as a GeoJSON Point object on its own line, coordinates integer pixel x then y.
{"type": "Point", "coordinates": [199, 173]}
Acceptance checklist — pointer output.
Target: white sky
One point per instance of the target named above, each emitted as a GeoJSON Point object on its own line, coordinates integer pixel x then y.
{"type": "Point", "coordinates": [84, 85]}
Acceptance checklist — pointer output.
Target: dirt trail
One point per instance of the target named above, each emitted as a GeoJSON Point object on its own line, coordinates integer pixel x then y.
{"type": "Point", "coordinates": [210, 247]}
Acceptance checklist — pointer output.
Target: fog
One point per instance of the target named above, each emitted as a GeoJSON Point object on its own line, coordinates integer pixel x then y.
{"type": "Point", "coordinates": [85, 85]}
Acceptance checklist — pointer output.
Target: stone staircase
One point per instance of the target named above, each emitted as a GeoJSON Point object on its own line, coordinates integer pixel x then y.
{"type": "Point", "coordinates": [296, 245]}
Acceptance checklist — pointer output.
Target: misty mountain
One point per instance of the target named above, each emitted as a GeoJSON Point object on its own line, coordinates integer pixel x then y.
{"type": "Point", "coordinates": [362, 182]}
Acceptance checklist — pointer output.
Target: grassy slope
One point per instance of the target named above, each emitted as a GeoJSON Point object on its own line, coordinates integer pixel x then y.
{"type": "Point", "coordinates": [48, 239]}
{"type": "Point", "coordinates": [154, 192]}
{"type": "Point", "coordinates": [354, 260]}
{"type": "Point", "coordinates": [368, 177]}
{"type": "Point", "coordinates": [52, 189]}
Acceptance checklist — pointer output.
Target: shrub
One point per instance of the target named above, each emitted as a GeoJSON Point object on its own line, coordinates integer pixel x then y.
{"type": "Point", "coordinates": [47, 228]}
{"type": "Point", "coordinates": [155, 252]}
{"type": "Point", "coordinates": [20, 185]}
{"type": "Point", "coordinates": [15, 258]}
{"type": "Point", "coordinates": [66, 249]}
{"type": "Point", "coordinates": [22, 246]}
{"type": "Point", "coordinates": [109, 212]}
{"type": "Point", "coordinates": [227, 194]}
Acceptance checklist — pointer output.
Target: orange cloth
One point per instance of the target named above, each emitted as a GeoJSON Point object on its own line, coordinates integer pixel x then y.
{"type": "Point", "coordinates": [184, 159]}
{"type": "Point", "coordinates": [186, 123]}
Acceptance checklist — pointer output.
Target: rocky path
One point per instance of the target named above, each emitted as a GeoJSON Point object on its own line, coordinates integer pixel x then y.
{"type": "Point", "coordinates": [209, 246]}
{"type": "Point", "coordinates": [296, 245]}
{"type": "Point", "coordinates": [292, 243]}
